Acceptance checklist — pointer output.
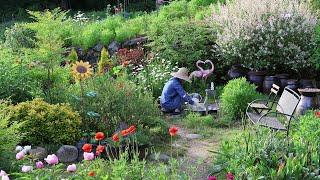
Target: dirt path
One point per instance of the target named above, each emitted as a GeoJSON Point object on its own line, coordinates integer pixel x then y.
{"type": "Point", "coordinates": [197, 158]}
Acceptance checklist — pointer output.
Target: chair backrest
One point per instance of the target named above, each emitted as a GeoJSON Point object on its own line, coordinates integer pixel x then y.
{"type": "Point", "coordinates": [274, 89]}
{"type": "Point", "coordinates": [288, 102]}
{"type": "Point", "coordinates": [273, 94]}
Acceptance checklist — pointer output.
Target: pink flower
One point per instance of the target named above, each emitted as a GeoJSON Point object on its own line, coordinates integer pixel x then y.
{"type": "Point", "coordinates": [39, 165]}
{"type": "Point", "coordinates": [230, 176]}
{"type": "Point", "coordinates": [6, 177]}
{"type": "Point", "coordinates": [88, 156]}
{"type": "Point", "coordinates": [160, 1]}
{"type": "Point", "coordinates": [26, 168]}
{"type": "Point", "coordinates": [52, 159]}
{"type": "Point", "coordinates": [72, 168]}
{"type": "Point", "coordinates": [20, 155]}
{"type": "Point", "coordinates": [2, 173]}
{"type": "Point", "coordinates": [212, 178]}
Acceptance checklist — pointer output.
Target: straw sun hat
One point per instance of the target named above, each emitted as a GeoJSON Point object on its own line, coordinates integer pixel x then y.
{"type": "Point", "coordinates": [182, 74]}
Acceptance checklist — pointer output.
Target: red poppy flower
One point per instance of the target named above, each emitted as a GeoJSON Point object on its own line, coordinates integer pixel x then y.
{"type": "Point", "coordinates": [99, 136]}
{"type": "Point", "coordinates": [132, 129]}
{"type": "Point", "coordinates": [91, 173]}
{"type": "Point", "coordinates": [317, 114]}
{"type": "Point", "coordinates": [230, 176]}
{"type": "Point", "coordinates": [173, 131]}
{"type": "Point", "coordinates": [87, 148]}
{"type": "Point", "coordinates": [124, 132]}
{"type": "Point", "coordinates": [100, 149]}
{"type": "Point", "coordinates": [115, 137]}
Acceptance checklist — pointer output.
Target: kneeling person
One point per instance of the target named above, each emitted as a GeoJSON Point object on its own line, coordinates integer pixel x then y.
{"type": "Point", "coordinates": [173, 95]}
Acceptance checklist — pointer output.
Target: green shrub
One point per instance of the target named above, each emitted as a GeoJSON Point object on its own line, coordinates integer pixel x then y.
{"type": "Point", "coordinates": [115, 101]}
{"type": "Point", "coordinates": [124, 33]}
{"type": "Point", "coordinates": [176, 10]}
{"type": "Point", "coordinates": [14, 80]}
{"type": "Point", "coordinates": [308, 128]}
{"type": "Point", "coordinates": [73, 56]}
{"type": "Point", "coordinates": [181, 41]}
{"type": "Point", "coordinates": [90, 35]}
{"type": "Point", "coordinates": [112, 23]}
{"type": "Point", "coordinates": [259, 153]}
{"type": "Point", "coordinates": [107, 36]}
{"type": "Point", "coordinates": [49, 46]}
{"type": "Point", "coordinates": [44, 123]}
{"type": "Point", "coordinates": [194, 120]}
{"type": "Point", "coordinates": [18, 37]}
{"type": "Point", "coordinates": [235, 98]}
{"type": "Point", "coordinates": [196, 4]}
{"type": "Point", "coordinates": [9, 137]}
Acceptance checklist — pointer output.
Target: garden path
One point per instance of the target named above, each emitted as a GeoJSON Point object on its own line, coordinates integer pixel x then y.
{"type": "Point", "coordinates": [197, 158]}
{"type": "Point", "coordinates": [194, 146]}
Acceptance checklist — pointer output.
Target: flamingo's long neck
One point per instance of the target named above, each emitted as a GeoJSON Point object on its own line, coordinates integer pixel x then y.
{"type": "Point", "coordinates": [197, 64]}
{"type": "Point", "coordinates": [212, 66]}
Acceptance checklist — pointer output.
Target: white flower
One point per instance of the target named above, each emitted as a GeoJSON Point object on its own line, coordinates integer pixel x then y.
{"type": "Point", "coordinates": [19, 148]}
{"type": "Point", "coordinates": [26, 168]}
{"type": "Point", "coordinates": [27, 148]}
{"type": "Point", "coordinates": [6, 177]}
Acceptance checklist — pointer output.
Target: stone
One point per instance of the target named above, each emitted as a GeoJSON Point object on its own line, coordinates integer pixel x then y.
{"type": "Point", "coordinates": [159, 157]}
{"type": "Point", "coordinates": [134, 42]}
{"type": "Point", "coordinates": [113, 47]}
{"type": "Point", "coordinates": [92, 57]}
{"type": "Point", "coordinates": [38, 153]}
{"type": "Point", "coordinates": [193, 136]}
{"type": "Point", "coordinates": [98, 47]}
{"type": "Point", "coordinates": [175, 145]}
{"type": "Point", "coordinates": [67, 154]}
{"type": "Point", "coordinates": [80, 52]}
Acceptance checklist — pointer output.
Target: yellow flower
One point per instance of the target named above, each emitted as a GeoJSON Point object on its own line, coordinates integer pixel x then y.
{"type": "Point", "coordinates": [81, 70]}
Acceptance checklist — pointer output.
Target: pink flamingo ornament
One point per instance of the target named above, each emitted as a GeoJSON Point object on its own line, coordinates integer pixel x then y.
{"type": "Point", "coordinates": [202, 73]}
{"type": "Point", "coordinates": [199, 73]}
{"type": "Point", "coordinates": [208, 72]}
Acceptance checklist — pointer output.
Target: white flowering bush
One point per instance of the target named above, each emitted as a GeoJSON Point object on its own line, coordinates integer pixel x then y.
{"type": "Point", "coordinates": [272, 34]}
{"type": "Point", "coordinates": [154, 75]}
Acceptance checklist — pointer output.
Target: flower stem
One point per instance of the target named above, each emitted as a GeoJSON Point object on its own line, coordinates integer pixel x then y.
{"type": "Point", "coordinates": [171, 145]}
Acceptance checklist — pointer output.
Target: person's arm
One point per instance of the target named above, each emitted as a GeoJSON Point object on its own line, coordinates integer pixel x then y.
{"type": "Point", "coordinates": [182, 93]}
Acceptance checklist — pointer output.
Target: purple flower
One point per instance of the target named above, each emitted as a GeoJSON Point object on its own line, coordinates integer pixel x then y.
{"type": "Point", "coordinates": [212, 178]}
{"type": "Point", "coordinates": [52, 159]}
{"type": "Point", "coordinates": [2, 173]}
{"type": "Point", "coordinates": [88, 156]}
{"type": "Point", "coordinates": [160, 1]}
{"type": "Point", "coordinates": [39, 165]}
{"type": "Point", "coordinates": [230, 176]}
{"type": "Point", "coordinates": [20, 155]}
{"type": "Point", "coordinates": [72, 168]}
{"type": "Point", "coordinates": [6, 177]}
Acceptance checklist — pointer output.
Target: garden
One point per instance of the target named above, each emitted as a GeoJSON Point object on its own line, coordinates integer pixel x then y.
{"type": "Point", "coordinates": [80, 90]}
